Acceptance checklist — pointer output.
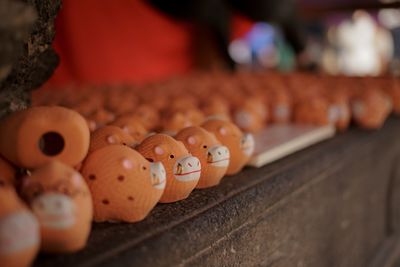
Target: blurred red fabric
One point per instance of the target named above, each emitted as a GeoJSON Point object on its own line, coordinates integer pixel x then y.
{"type": "Point", "coordinates": [122, 41]}
{"type": "Point", "coordinates": [118, 41]}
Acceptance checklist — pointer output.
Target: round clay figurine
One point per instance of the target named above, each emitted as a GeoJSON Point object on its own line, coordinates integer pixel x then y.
{"type": "Point", "coordinates": [314, 110]}
{"type": "Point", "coordinates": [124, 185]}
{"type": "Point", "coordinates": [280, 106]}
{"type": "Point", "coordinates": [183, 170]}
{"type": "Point", "coordinates": [175, 122]}
{"type": "Point", "coordinates": [7, 173]}
{"type": "Point", "coordinates": [19, 231]}
{"type": "Point", "coordinates": [392, 89]}
{"type": "Point", "coordinates": [370, 109]}
{"type": "Point", "coordinates": [101, 117]}
{"type": "Point", "coordinates": [148, 116]}
{"type": "Point", "coordinates": [110, 135]}
{"type": "Point", "coordinates": [213, 156]}
{"type": "Point", "coordinates": [240, 145]}
{"type": "Point", "coordinates": [250, 115]}
{"type": "Point", "coordinates": [131, 126]}
{"type": "Point", "coordinates": [60, 199]}
{"type": "Point", "coordinates": [35, 136]}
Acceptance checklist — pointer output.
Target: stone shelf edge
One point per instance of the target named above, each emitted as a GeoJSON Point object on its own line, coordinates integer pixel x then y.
{"type": "Point", "coordinates": [333, 204]}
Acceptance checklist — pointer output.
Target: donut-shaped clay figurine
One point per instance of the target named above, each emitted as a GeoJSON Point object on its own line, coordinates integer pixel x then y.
{"type": "Point", "coordinates": [314, 110]}
{"type": "Point", "coordinates": [19, 231]}
{"type": "Point", "coordinates": [60, 199]}
{"type": "Point", "coordinates": [213, 156]}
{"type": "Point", "coordinates": [124, 185]}
{"type": "Point", "coordinates": [35, 136]}
{"type": "Point", "coordinates": [183, 170]}
{"type": "Point", "coordinates": [240, 145]}
{"type": "Point", "coordinates": [131, 126]}
{"type": "Point", "coordinates": [110, 135]}
{"type": "Point", "coordinates": [7, 173]}
{"type": "Point", "coordinates": [370, 108]}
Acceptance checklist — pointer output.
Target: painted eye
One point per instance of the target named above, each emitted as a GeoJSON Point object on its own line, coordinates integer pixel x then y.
{"type": "Point", "coordinates": [144, 168]}
{"type": "Point", "coordinates": [204, 146]}
{"type": "Point", "coordinates": [171, 156]}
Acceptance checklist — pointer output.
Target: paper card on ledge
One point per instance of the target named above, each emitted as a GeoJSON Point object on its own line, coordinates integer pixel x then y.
{"type": "Point", "coordinates": [278, 141]}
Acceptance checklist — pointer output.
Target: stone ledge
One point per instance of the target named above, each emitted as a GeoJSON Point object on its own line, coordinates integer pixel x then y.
{"type": "Point", "coordinates": [328, 205]}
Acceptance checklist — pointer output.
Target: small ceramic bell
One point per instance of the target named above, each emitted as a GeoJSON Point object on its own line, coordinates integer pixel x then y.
{"type": "Point", "coordinates": [240, 145]}
{"type": "Point", "coordinates": [124, 185]}
{"type": "Point", "coordinates": [183, 170]}
{"type": "Point", "coordinates": [60, 199]}
{"type": "Point", "coordinates": [19, 231]}
{"type": "Point", "coordinates": [110, 135]}
{"type": "Point", "coordinates": [213, 156]}
{"type": "Point", "coordinates": [35, 136]}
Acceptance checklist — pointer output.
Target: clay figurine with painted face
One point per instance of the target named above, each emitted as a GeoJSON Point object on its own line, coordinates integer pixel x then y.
{"type": "Point", "coordinates": [251, 115]}
{"type": "Point", "coordinates": [370, 108]}
{"type": "Point", "coordinates": [183, 170]}
{"type": "Point", "coordinates": [60, 199]}
{"type": "Point", "coordinates": [124, 185]}
{"type": "Point", "coordinates": [131, 126]}
{"type": "Point", "coordinates": [213, 156]}
{"type": "Point", "coordinates": [110, 135]}
{"type": "Point", "coordinates": [240, 145]}
{"type": "Point", "coordinates": [19, 231]}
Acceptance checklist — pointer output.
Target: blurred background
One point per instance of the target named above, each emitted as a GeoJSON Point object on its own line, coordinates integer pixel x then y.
{"type": "Point", "coordinates": [141, 41]}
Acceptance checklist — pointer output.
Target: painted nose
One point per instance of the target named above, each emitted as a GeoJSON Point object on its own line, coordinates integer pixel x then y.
{"type": "Point", "coordinates": [218, 156]}
{"type": "Point", "coordinates": [158, 175]}
{"type": "Point", "coordinates": [187, 168]}
{"type": "Point", "coordinates": [248, 144]}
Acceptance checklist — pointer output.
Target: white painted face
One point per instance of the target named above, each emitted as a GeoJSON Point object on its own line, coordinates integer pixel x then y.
{"type": "Point", "coordinates": [243, 119]}
{"type": "Point", "coordinates": [248, 144]}
{"type": "Point", "coordinates": [344, 112]}
{"type": "Point", "coordinates": [333, 113]}
{"type": "Point", "coordinates": [187, 169]}
{"type": "Point", "coordinates": [218, 156]}
{"type": "Point", "coordinates": [18, 231]}
{"type": "Point", "coordinates": [55, 210]}
{"type": "Point", "coordinates": [281, 112]}
{"type": "Point", "coordinates": [158, 175]}
{"type": "Point", "coordinates": [358, 109]}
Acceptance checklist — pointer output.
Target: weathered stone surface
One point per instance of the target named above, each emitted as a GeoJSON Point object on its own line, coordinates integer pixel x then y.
{"type": "Point", "coordinates": [333, 204]}
{"type": "Point", "coordinates": [26, 57]}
